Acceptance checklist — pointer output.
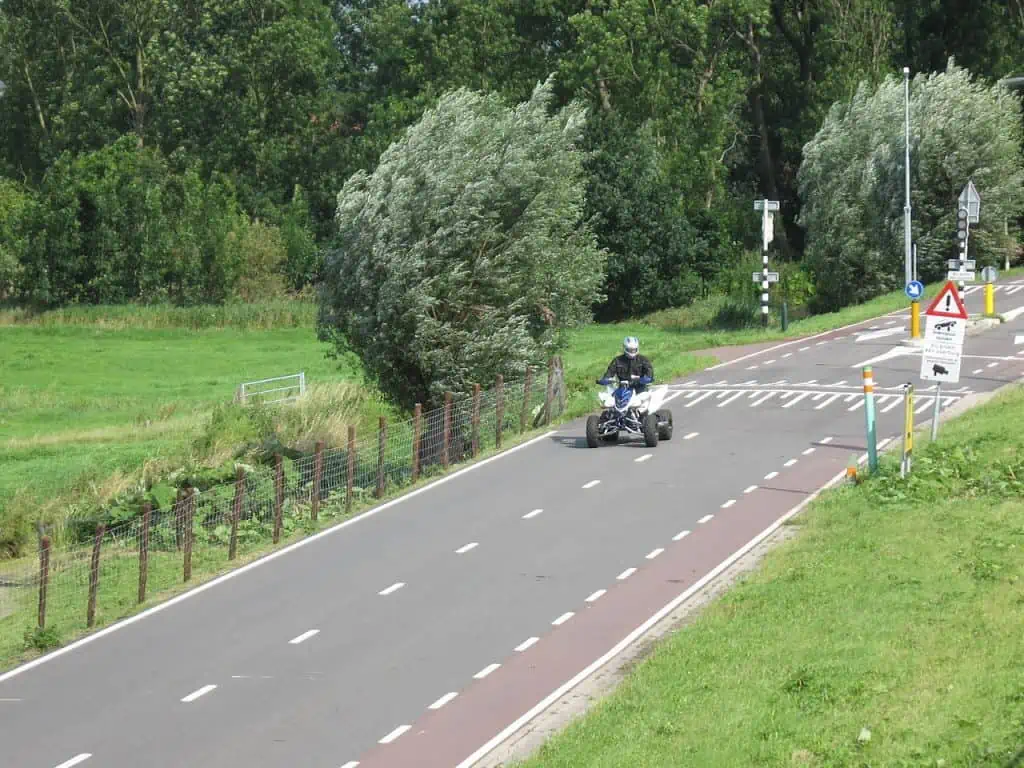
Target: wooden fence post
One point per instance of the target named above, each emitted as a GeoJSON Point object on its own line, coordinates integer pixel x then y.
{"type": "Point", "coordinates": [351, 468]}
{"type": "Point", "coordinates": [417, 428]}
{"type": "Point", "coordinates": [382, 444]}
{"type": "Point", "coordinates": [318, 475]}
{"type": "Point", "coordinates": [278, 495]}
{"type": "Point", "coordinates": [447, 428]}
{"type": "Point", "coordinates": [178, 520]}
{"type": "Point", "coordinates": [476, 420]}
{"type": "Point", "coordinates": [499, 410]}
{"type": "Point", "coordinates": [44, 578]}
{"type": "Point", "coordinates": [94, 576]}
{"type": "Point", "coordinates": [144, 551]}
{"type": "Point", "coordinates": [236, 512]}
{"type": "Point", "coordinates": [527, 387]}
{"type": "Point", "coordinates": [190, 511]}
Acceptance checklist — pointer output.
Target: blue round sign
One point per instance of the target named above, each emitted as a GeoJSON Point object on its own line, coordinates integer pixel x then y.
{"type": "Point", "coordinates": [914, 289]}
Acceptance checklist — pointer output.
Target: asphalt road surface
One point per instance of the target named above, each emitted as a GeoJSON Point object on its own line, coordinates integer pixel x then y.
{"type": "Point", "coordinates": [423, 633]}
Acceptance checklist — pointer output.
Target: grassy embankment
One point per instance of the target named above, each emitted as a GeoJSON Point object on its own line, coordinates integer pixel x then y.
{"type": "Point", "coordinates": [886, 633]}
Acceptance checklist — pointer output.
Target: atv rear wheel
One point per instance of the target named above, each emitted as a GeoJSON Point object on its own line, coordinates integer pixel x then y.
{"type": "Point", "coordinates": [665, 427]}
{"type": "Point", "coordinates": [651, 430]}
{"type": "Point", "coordinates": [593, 439]}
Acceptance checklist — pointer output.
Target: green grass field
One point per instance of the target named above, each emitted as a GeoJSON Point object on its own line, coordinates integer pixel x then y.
{"type": "Point", "coordinates": [888, 633]}
{"type": "Point", "coordinates": [93, 397]}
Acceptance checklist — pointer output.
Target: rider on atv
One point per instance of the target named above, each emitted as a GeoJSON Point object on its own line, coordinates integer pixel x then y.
{"type": "Point", "coordinates": [629, 364]}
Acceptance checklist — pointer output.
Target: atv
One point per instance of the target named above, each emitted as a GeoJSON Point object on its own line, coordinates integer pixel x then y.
{"type": "Point", "coordinates": [634, 413]}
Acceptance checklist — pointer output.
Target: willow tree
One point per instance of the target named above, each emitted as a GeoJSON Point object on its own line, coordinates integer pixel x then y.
{"type": "Point", "coordinates": [465, 254]}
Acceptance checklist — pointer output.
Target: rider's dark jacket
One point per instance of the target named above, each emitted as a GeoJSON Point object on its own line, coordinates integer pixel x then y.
{"type": "Point", "coordinates": [623, 367]}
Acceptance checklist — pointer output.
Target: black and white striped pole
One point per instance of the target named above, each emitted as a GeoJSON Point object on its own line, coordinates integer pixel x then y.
{"type": "Point", "coordinates": [767, 208]}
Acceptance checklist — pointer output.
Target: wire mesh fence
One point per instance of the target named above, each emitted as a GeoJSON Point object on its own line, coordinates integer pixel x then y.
{"type": "Point", "coordinates": [206, 531]}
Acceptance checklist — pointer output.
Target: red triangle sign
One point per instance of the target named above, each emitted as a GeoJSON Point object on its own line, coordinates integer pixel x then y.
{"type": "Point", "coordinates": [948, 303]}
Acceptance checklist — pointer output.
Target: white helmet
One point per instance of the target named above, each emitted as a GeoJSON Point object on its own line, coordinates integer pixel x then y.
{"type": "Point", "coordinates": [631, 346]}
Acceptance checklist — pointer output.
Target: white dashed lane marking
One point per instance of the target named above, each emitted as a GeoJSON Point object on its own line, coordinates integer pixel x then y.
{"type": "Point", "coordinates": [535, 512]}
{"type": "Point", "coordinates": [526, 644]}
{"type": "Point", "coordinates": [595, 596]}
{"type": "Point", "coordinates": [563, 618]}
{"type": "Point", "coordinates": [463, 550]}
{"type": "Point", "coordinates": [486, 671]}
{"type": "Point", "coordinates": [76, 760]}
{"type": "Point", "coordinates": [653, 554]}
{"type": "Point", "coordinates": [771, 475]}
{"type": "Point", "coordinates": [393, 588]}
{"type": "Point", "coordinates": [680, 536]}
{"type": "Point", "coordinates": [591, 484]}
{"type": "Point", "coordinates": [729, 503]}
{"type": "Point", "coordinates": [395, 734]}
{"type": "Point", "coordinates": [626, 574]}
{"type": "Point", "coordinates": [197, 693]}
{"type": "Point", "coordinates": [750, 488]}
{"type": "Point", "coordinates": [704, 519]}
{"type": "Point", "coordinates": [443, 700]}
{"type": "Point", "coordinates": [790, 463]}
{"type": "Point", "coordinates": [645, 457]}
{"type": "Point", "coordinates": [690, 436]}
{"type": "Point", "coordinates": [303, 637]}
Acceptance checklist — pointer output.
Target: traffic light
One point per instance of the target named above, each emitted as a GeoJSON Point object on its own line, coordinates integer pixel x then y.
{"type": "Point", "coordinates": [961, 229]}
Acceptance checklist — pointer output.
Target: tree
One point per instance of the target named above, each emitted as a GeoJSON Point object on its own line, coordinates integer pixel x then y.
{"type": "Point", "coordinates": [639, 220]}
{"type": "Point", "coordinates": [465, 254]}
{"type": "Point", "coordinates": [851, 182]}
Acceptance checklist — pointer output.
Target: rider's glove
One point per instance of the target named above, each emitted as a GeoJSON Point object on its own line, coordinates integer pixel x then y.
{"type": "Point", "coordinates": [602, 381]}
{"type": "Point", "coordinates": [646, 379]}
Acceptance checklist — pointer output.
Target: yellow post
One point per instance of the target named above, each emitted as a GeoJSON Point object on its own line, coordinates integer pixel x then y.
{"type": "Point", "coordinates": [990, 299]}
{"type": "Point", "coordinates": [915, 319]}
{"type": "Point", "coordinates": [908, 429]}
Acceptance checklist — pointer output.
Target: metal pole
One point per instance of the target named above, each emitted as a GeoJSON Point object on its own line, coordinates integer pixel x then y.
{"type": "Point", "coordinates": [764, 265]}
{"type": "Point", "coordinates": [906, 163]}
{"type": "Point", "coordinates": [869, 415]}
{"type": "Point", "coordinates": [935, 410]}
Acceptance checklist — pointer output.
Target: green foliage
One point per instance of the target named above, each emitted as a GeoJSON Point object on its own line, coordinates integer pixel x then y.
{"type": "Point", "coordinates": [638, 219]}
{"type": "Point", "coordinates": [852, 183]}
{"type": "Point", "coordinates": [465, 254]}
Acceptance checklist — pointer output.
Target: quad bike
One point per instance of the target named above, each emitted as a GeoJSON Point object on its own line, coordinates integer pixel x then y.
{"type": "Point", "coordinates": [634, 413]}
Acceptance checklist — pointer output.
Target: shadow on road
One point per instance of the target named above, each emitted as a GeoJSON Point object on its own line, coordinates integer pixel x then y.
{"type": "Point", "coordinates": [581, 442]}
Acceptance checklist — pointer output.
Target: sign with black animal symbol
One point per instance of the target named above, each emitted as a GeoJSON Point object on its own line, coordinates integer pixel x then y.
{"type": "Point", "coordinates": [945, 328]}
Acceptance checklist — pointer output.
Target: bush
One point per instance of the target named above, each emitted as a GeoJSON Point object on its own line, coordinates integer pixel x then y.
{"type": "Point", "coordinates": [465, 254]}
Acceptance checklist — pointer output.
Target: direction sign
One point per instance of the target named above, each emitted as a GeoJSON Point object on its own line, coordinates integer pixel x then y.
{"type": "Point", "coordinates": [773, 205]}
{"type": "Point", "coordinates": [960, 274]}
{"type": "Point", "coordinates": [970, 198]}
{"type": "Point", "coordinates": [773, 277]}
{"type": "Point", "coordinates": [914, 290]}
{"type": "Point", "coordinates": [989, 274]}
{"type": "Point", "coordinates": [956, 263]}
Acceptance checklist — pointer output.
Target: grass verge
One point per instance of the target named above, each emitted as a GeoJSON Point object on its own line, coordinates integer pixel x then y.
{"type": "Point", "coordinates": [887, 633]}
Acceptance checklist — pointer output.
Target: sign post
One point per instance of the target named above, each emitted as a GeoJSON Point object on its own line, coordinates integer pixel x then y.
{"type": "Point", "coordinates": [945, 329]}
{"type": "Point", "coordinates": [908, 429]}
{"type": "Point", "coordinates": [914, 290]}
{"type": "Point", "coordinates": [968, 212]}
{"type": "Point", "coordinates": [869, 416]}
{"type": "Point", "coordinates": [767, 208]}
{"type": "Point", "coordinates": [989, 275]}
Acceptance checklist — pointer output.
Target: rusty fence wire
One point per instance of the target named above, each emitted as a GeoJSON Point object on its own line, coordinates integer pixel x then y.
{"type": "Point", "coordinates": [204, 532]}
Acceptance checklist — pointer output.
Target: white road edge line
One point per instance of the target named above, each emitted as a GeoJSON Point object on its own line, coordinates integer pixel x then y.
{"type": "Point", "coordinates": [443, 700]}
{"type": "Point", "coordinates": [393, 588]}
{"type": "Point", "coordinates": [563, 618]}
{"type": "Point", "coordinates": [304, 636]}
{"type": "Point", "coordinates": [75, 760]}
{"type": "Point", "coordinates": [704, 519]}
{"type": "Point", "coordinates": [266, 559]}
{"type": "Point", "coordinates": [526, 644]}
{"type": "Point", "coordinates": [466, 548]}
{"type": "Point", "coordinates": [591, 484]}
{"type": "Point", "coordinates": [650, 622]}
{"type": "Point", "coordinates": [395, 734]}
{"type": "Point", "coordinates": [626, 574]}
{"type": "Point", "coordinates": [197, 693]}
{"type": "Point", "coordinates": [486, 671]}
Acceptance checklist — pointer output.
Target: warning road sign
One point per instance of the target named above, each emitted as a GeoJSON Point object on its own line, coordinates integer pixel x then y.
{"type": "Point", "coordinates": [945, 328]}
{"type": "Point", "coordinates": [948, 303]}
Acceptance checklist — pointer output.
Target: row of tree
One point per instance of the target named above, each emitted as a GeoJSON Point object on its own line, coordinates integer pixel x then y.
{"type": "Point", "coordinates": [143, 140]}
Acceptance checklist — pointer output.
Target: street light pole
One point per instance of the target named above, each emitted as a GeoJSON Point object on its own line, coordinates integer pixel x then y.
{"type": "Point", "coordinates": [906, 163]}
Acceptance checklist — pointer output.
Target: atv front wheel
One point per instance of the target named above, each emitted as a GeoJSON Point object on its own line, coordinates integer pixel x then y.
{"type": "Point", "coordinates": [593, 440]}
{"type": "Point", "coordinates": [651, 430]}
{"type": "Point", "coordinates": [665, 424]}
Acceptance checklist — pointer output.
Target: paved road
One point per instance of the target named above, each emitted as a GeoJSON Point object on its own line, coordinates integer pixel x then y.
{"type": "Point", "coordinates": [415, 635]}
